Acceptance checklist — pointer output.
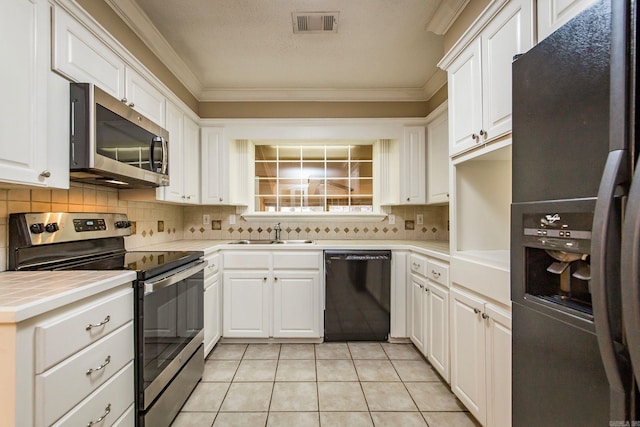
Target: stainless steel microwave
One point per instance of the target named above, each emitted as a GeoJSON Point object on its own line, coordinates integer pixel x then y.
{"type": "Point", "coordinates": [112, 144]}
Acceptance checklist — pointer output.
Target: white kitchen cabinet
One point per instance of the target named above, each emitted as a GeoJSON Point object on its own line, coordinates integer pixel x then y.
{"type": "Point", "coordinates": [553, 14]}
{"type": "Point", "coordinates": [82, 57]}
{"type": "Point", "coordinates": [437, 146]}
{"type": "Point", "coordinates": [34, 116]}
{"type": "Point", "coordinates": [479, 75]}
{"type": "Point", "coordinates": [212, 303]}
{"type": "Point", "coordinates": [272, 294]}
{"type": "Point", "coordinates": [225, 176]}
{"type": "Point", "coordinates": [481, 357]}
{"type": "Point", "coordinates": [184, 152]}
{"type": "Point", "coordinates": [437, 324]}
{"type": "Point", "coordinates": [418, 297]}
{"type": "Point", "coordinates": [401, 167]}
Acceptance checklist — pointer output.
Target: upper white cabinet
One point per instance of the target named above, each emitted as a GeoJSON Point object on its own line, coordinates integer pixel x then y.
{"type": "Point", "coordinates": [82, 57]}
{"type": "Point", "coordinates": [552, 14]}
{"type": "Point", "coordinates": [34, 117]}
{"type": "Point", "coordinates": [402, 168]}
{"type": "Point", "coordinates": [225, 176]}
{"type": "Point", "coordinates": [437, 139]}
{"type": "Point", "coordinates": [184, 152]}
{"type": "Point", "coordinates": [479, 74]}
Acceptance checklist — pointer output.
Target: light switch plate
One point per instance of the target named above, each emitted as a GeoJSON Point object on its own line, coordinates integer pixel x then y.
{"type": "Point", "coordinates": [419, 219]}
{"type": "Point", "coordinates": [206, 219]}
{"type": "Point", "coordinates": [232, 219]}
{"type": "Point", "coordinates": [392, 219]}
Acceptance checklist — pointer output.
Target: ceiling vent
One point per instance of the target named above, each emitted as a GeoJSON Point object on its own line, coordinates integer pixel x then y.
{"type": "Point", "coordinates": [315, 22]}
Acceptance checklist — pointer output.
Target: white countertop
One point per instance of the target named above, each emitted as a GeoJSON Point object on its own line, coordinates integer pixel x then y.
{"type": "Point", "coordinates": [25, 294]}
{"type": "Point", "coordinates": [434, 248]}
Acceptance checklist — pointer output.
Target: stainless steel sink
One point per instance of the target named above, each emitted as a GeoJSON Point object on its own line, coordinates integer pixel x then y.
{"type": "Point", "coordinates": [270, 242]}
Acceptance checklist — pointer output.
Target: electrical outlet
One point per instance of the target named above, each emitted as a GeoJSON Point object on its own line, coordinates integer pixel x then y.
{"type": "Point", "coordinates": [232, 219]}
{"type": "Point", "coordinates": [160, 226]}
{"type": "Point", "coordinates": [419, 219]}
{"type": "Point", "coordinates": [206, 219]}
{"type": "Point", "coordinates": [392, 219]}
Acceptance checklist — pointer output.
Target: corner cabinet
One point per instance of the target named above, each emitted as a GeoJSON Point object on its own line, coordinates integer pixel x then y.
{"type": "Point", "coordinates": [437, 140]}
{"type": "Point", "coordinates": [479, 75]}
{"type": "Point", "coordinates": [553, 14]}
{"type": "Point", "coordinates": [225, 169]}
{"type": "Point", "coordinates": [481, 357]}
{"type": "Point", "coordinates": [35, 115]}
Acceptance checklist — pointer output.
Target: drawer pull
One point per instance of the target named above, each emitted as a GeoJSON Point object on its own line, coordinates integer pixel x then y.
{"type": "Point", "coordinates": [435, 274]}
{"type": "Point", "coordinates": [99, 368]}
{"type": "Point", "coordinates": [416, 265]}
{"type": "Point", "coordinates": [476, 311]}
{"type": "Point", "coordinates": [101, 418]}
{"type": "Point", "coordinates": [97, 325]}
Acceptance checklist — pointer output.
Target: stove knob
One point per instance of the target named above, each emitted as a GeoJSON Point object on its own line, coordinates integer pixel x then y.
{"type": "Point", "coordinates": [123, 224]}
{"type": "Point", "coordinates": [37, 228]}
{"type": "Point", "coordinates": [52, 227]}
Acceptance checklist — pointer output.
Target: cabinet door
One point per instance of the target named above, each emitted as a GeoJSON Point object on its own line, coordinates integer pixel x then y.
{"type": "Point", "coordinates": [465, 100]}
{"type": "Point", "coordinates": [508, 34]}
{"type": "Point", "coordinates": [214, 169]}
{"type": "Point", "coordinates": [23, 115]}
{"type": "Point", "coordinates": [438, 333]}
{"type": "Point", "coordinates": [468, 353]}
{"type": "Point", "coordinates": [498, 350]}
{"type": "Point", "coordinates": [191, 161]}
{"type": "Point", "coordinates": [553, 14]}
{"type": "Point", "coordinates": [212, 313]}
{"type": "Point", "coordinates": [412, 167]}
{"type": "Point", "coordinates": [416, 320]}
{"type": "Point", "coordinates": [246, 304]}
{"type": "Point", "coordinates": [438, 159]}
{"type": "Point", "coordinates": [174, 192]}
{"type": "Point", "coordinates": [296, 304]}
{"type": "Point", "coordinates": [82, 57]}
{"type": "Point", "coordinates": [143, 97]}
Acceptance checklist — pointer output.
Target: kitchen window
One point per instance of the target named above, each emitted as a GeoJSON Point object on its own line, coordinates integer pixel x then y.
{"type": "Point", "coordinates": [314, 178]}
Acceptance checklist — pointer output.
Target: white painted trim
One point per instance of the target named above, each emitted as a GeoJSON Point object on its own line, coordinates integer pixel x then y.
{"type": "Point", "coordinates": [294, 94]}
{"type": "Point", "coordinates": [435, 82]}
{"type": "Point", "coordinates": [445, 16]}
{"type": "Point", "coordinates": [314, 217]}
{"type": "Point", "coordinates": [472, 32]}
{"type": "Point", "coordinates": [437, 111]}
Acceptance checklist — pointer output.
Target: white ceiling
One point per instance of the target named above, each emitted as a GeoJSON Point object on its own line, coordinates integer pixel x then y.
{"type": "Point", "coordinates": [232, 50]}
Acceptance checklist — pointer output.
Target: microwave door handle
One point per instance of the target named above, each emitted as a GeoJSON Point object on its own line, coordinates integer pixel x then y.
{"type": "Point", "coordinates": [602, 287]}
{"type": "Point", "coordinates": [155, 285]}
{"type": "Point", "coordinates": [165, 156]}
{"type": "Point", "coordinates": [152, 160]}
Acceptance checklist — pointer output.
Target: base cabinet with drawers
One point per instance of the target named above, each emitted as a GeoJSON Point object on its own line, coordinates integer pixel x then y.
{"type": "Point", "coordinates": [212, 303]}
{"type": "Point", "coordinates": [429, 310]}
{"type": "Point", "coordinates": [272, 294]}
{"type": "Point", "coordinates": [72, 365]}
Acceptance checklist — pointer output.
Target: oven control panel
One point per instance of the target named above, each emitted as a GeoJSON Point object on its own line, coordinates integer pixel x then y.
{"type": "Point", "coordinates": [81, 225]}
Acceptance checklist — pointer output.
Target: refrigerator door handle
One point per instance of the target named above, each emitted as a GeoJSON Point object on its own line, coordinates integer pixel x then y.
{"type": "Point", "coordinates": [630, 273]}
{"type": "Point", "coordinates": [603, 265]}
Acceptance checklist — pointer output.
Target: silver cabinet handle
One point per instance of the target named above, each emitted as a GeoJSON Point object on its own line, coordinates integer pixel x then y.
{"type": "Point", "coordinates": [264, 279]}
{"type": "Point", "coordinates": [97, 325]}
{"type": "Point", "coordinates": [275, 278]}
{"type": "Point", "coordinates": [485, 316]}
{"type": "Point", "coordinates": [99, 368]}
{"type": "Point", "coordinates": [102, 417]}
{"type": "Point", "coordinates": [474, 136]}
{"type": "Point", "coordinates": [435, 273]}
{"type": "Point", "coordinates": [483, 133]}
{"type": "Point", "coordinates": [427, 290]}
{"type": "Point", "coordinates": [220, 198]}
{"type": "Point", "coordinates": [124, 100]}
{"type": "Point", "coordinates": [408, 199]}
{"type": "Point", "coordinates": [45, 174]}
{"type": "Point", "coordinates": [476, 311]}
{"type": "Point", "coordinates": [132, 105]}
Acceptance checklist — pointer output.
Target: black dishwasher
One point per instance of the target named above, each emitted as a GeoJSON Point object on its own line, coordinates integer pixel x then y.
{"type": "Point", "coordinates": [358, 295]}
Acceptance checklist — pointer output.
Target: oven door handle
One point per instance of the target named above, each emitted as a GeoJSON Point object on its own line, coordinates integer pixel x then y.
{"type": "Point", "coordinates": [152, 286]}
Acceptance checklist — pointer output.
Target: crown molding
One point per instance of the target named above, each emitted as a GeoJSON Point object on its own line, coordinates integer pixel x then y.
{"type": "Point", "coordinates": [141, 25]}
{"type": "Point", "coordinates": [446, 14]}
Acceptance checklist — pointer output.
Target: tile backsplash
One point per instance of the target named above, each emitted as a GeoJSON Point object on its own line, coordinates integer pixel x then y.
{"type": "Point", "coordinates": [159, 222]}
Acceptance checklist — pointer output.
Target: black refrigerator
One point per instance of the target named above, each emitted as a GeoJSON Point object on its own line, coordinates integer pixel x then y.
{"type": "Point", "coordinates": [575, 224]}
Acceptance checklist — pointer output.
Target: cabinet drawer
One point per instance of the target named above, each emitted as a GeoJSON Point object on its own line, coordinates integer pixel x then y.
{"type": "Point", "coordinates": [418, 264]}
{"type": "Point", "coordinates": [109, 401]}
{"type": "Point", "coordinates": [296, 260]}
{"type": "Point", "coordinates": [438, 272]}
{"type": "Point", "coordinates": [70, 332]}
{"type": "Point", "coordinates": [105, 357]}
{"type": "Point", "coordinates": [213, 265]}
{"type": "Point", "coordinates": [247, 260]}
{"type": "Point", "coordinates": [127, 419]}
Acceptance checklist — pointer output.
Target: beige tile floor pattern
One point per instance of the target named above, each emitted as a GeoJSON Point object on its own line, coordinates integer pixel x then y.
{"type": "Point", "coordinates": [328, 384]}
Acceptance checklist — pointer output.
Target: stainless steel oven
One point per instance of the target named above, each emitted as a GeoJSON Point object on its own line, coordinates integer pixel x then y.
{"type": "Point", "coordinates": [168, 298]}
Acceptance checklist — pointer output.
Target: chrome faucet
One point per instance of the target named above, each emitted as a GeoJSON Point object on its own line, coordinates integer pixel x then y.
{"type": "Point", "coordinates": [277, 230]}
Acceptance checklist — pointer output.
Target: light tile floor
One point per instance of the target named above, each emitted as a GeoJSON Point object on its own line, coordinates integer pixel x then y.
{"type": "Point", "coordinates": [329, 384]}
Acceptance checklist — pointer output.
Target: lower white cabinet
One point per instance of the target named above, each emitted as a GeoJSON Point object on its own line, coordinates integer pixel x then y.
{"type": "Point", "coordinates": [212, 303]}
{"type": "Point", "coordinates": [272, 294]}
{"type": "Point", "coordinates": [437, 328]}
{"type": "Point", "coordinates": [418, 296]}
{"type": "Point", "coordinates": [481, 357]}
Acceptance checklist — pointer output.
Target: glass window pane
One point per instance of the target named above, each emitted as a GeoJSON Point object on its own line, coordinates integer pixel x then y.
{"type": "Point", "coordinates": [289, 152]}
{"type": "Point", "coordinates": [338, 187]}
{"type": "Point", "coordinates": [266, 152]}
{"type": "Point", "coordinates": [337, 152]}
{"type": "Point", "coordinates": [312, 170]}
{"type": "Point", "coordinates": [363, 186]}
{"type": "Point", "coordinates": [361, 152]}
{"type": "Point", "coordinates": [291, 186]}
{"type": "Point", "coordinates": [337, 169]}
{"type": "Point", "coordinates": [266, 204]}
{"type": "Point", "coordinates": [360, 169]}
{"type": "Point", "coordinates": [265, 186]}
{"type": "Point", "coordinates": [266, 169]}
{"type": "Point", "coordinates": [313, 204]}
{"type": "Point", "coordinates": [316, 187]}
{"type": "Point", "coordinates": [313, 152]}
{"type": "Point", "coordinates": [290, 170]}
{"type": "Point", "coordinates": [290, 204]}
